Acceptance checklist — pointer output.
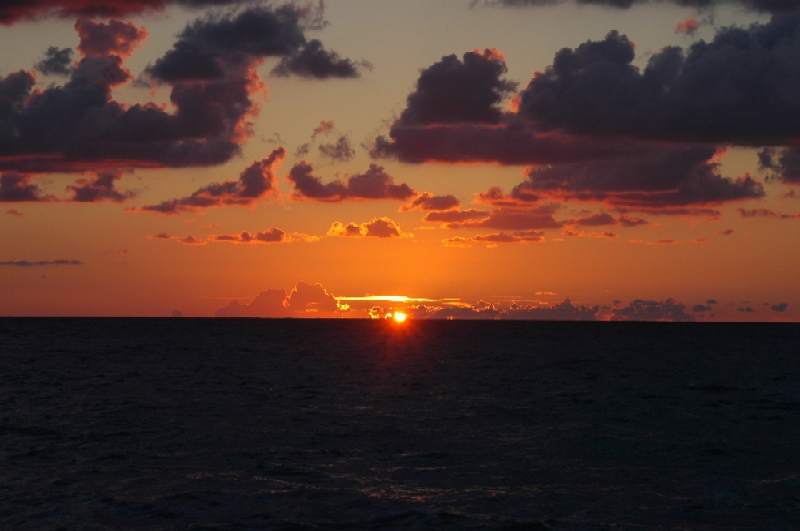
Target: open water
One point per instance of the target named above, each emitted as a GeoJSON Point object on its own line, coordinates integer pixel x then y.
{"type": "Point", "coordinates": [339, 424]}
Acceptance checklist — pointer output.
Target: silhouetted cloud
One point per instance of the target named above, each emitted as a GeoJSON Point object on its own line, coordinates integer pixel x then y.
{"type": "Point", "coordinates": [767, 6]}
{"type": "Point", "coordinates": [311, 298]}
{"type": "Point", "coordinates": [781, 307]}
{"type": "Point", "coordinates": [18, 188]}
{"type": "Point", "coordinates": [531, 236]}
{"type": "Point", "coordinates": [15, 10]}
{"type": "Point", "coordinates": [378, 227]}
{"type": "Point", "coordinates": [185, 240]}
{"type": "Point", "coordinates": [595, 89]}
{"type": "Point", "coordinates": [255, 182]}
{"type": "Point", "coordinates": [649, 310]}
{"type": "Point", "coordinates": [14, 212]}
{"type": "Point", "coordinates": [456, 216]}
{"type": "Point", "coordinates": [711, 301]}
{"type": "Point", "coordinates": [504, 219]}
{"type": "Point", "coordinates": [747, 309]}
{"type": "Point", "coordinates": [99, 40]}
{"type": "Point", "coordinates": [314, 61]}
{"type": "Point", "coordinates": [602, 219]}
{"type": "Point", "coordinates": [56, 62]}
{"type": "Point", "coordinates": [101, 188]}
{"type": "Point", "coordinates": [271, 235]}
{"type": "Point", "coordinates": [267, 304]}
{"type": "Point", "coordinates": [427, 201]}
{"type": "Point", "coordinates": [340, 151]}
{"type": "Point", "coordinates": [26, 263]}
{"type": "Point", "coordinates": [373, 184]}
{"type": "Point", "coordinates": [699, 308]}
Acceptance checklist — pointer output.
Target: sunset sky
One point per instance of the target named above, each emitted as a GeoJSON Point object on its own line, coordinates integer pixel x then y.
{"type": "Point", "coordinates": [528, 159]}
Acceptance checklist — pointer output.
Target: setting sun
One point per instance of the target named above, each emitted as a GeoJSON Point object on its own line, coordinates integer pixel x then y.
{"type": "Point", "coordinates": [400, 317]}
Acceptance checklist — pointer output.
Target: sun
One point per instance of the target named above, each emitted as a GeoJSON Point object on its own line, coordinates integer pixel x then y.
{"type": "Point", "coordinates": [399, 317]}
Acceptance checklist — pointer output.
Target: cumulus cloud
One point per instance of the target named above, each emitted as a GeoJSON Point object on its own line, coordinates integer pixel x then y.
{"type": "Point", "coordinates": [427, 201]}
{"type": "Point", "coordinates": [185, 240]}
{"type": "Point", "coordinates": [456, 216]}
{"type": "Point", "coordinates": [18, 188]}
{"type": "Point", "coordinates": [649, 310]}
{"type": "Point", "coordinates": [506, 219]}
{"type": "Point", "coordinates": [255, 182]}
{"type": "Point", "coordinates": [781, 307]}
{"type": "Point", "coordinates": [314, 61]}
{"type": "Point", "coordinates": [26, 263]}
{"type": "Point", "coordinates": [117, 38]}
{"type": "Point", "coordinates": [56, 62]}
{"type": "Point", "coordinates": [378, 228]}
{"type": "Point", "coordinates": [766, 6]}
{"type": "Point", "coordinates": [373, 184]}
{"type": "Point", "coordinates": [271, 235]}
{"type": "Point", "coordinates": [305, 300]}
{"type": "Point", "coordinates": [531, 236]}
{"type": "Point", "coordinates": [101, 188]}
{"type": "Point", "coordinates": [339, 151]}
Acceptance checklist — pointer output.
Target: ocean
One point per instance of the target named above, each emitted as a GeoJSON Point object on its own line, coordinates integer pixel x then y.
{"type": "Point", "coordinates": [354, 424]}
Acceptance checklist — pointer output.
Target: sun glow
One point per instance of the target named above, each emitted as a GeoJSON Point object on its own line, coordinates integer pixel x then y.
{"type": "Point", "coordinates": [398, 317]}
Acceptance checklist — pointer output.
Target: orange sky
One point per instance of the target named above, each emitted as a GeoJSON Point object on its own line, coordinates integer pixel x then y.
{"type": "Point", "coordinates": [162, 160]}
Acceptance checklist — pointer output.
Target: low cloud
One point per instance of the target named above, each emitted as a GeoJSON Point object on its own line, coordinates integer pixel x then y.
{"type": "Point", "coordinates": [314, 61]}
{"type": "Point", "coordinates": [305, 300]}
{"type": "Point", "coordinates": [649, 310]}
{"type": "Point", "coordinates": [372, 185]}
{"type": "Point", "coordinates": [183, 240]}
{"type": "Point", "coordinates": [271, 235]}
{"type": "Point", "coordinates": [19, 188]}
{"type": "Point", "coordinates": [427, 201]}
{"type": "Point", "coordinates": [340, 151]}
{"type": "Point", "coordinates": [492, 240]}
{"type": "Point", "coordinates": [255, 182]}
{"type": "Point", "coordinates": [781, 307]}
{"type": "Point", "coordinates": [100, 188]}
{"type": "Point", "coordinates": [378, 228]}
{"type": "Point", "coordinates": [14, 212]}
{"type": "Point", "coordinates": [687, 26]}
{"type": "Point", "coordinates": [26, 263]}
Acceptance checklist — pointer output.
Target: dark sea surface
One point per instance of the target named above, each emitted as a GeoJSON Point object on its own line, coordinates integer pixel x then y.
{"type": "Point", "coordinates": [341, 424]}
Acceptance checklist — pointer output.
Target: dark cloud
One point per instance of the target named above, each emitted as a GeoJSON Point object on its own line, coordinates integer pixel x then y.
{"type": "Point", "coordinates": [378, 228]}
{"type": "Point", "coordinates": [747, 309]}
{"type": "Point", "coordinates": [648, 310]}
{"type": "Point", "coordinates": [765, 6]}
{"type": "Point", "coordinates": [602, 219]}
{"type": "Point", "coordinates": [271, 235]}
{"type": "Point", "coordinates": [711, 301]}
{"type": "Point", "coordinates": [340, 151]}
{"type": "Point", "coordinates": [255, 182]}
{"type": "Point", "coordinates": [56, 62]}
{"type": "Point", "coordinates": [564, 311]}
{"type": "Point", "coordinates": [699, 308]}
{"type": "Point", "coordinates": [18, 188]}
{"type": "Point", "coordinates": [185, 240]}
{"type": "Point", "coordinates": [26, 263]}
{"type": "Point", "coordinates": [453, 91]}
{"type": "Point", "coordinates": [267, 304]}
{"type": "Point", "coordinates": [779, 307]}
{"type": "Point", "coordinates": [456, 216]}
{"type": "Point", "coordinates": [757, 213]}
{"type": "Point", "coordinates": [14, 212]}
{"type": "Point", "coordinates": [12, 11]}
{"type": "Point", "coordinates": [314, 61]}
{"type": "Point", "coordinates": [99, 40]}
{"type": "Point", "coordinates": [504, 219]}
{"type": "Point", "coordinates": [101, 188]}
{"type": "Point", "coordinates": [373, 184]}
{"type": "Point", "coordinates": [665, 177]}
{"type": "Point", "coordinates": [782, 164]}
{"type": "Point", "coordinates": [427, 201]}
{"type": "Point", "coordinates": [739, 88]}
{"type": "Point", "coordinates": [531, 236]}
{"type": "Point", "coordinates": [311, 298]}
